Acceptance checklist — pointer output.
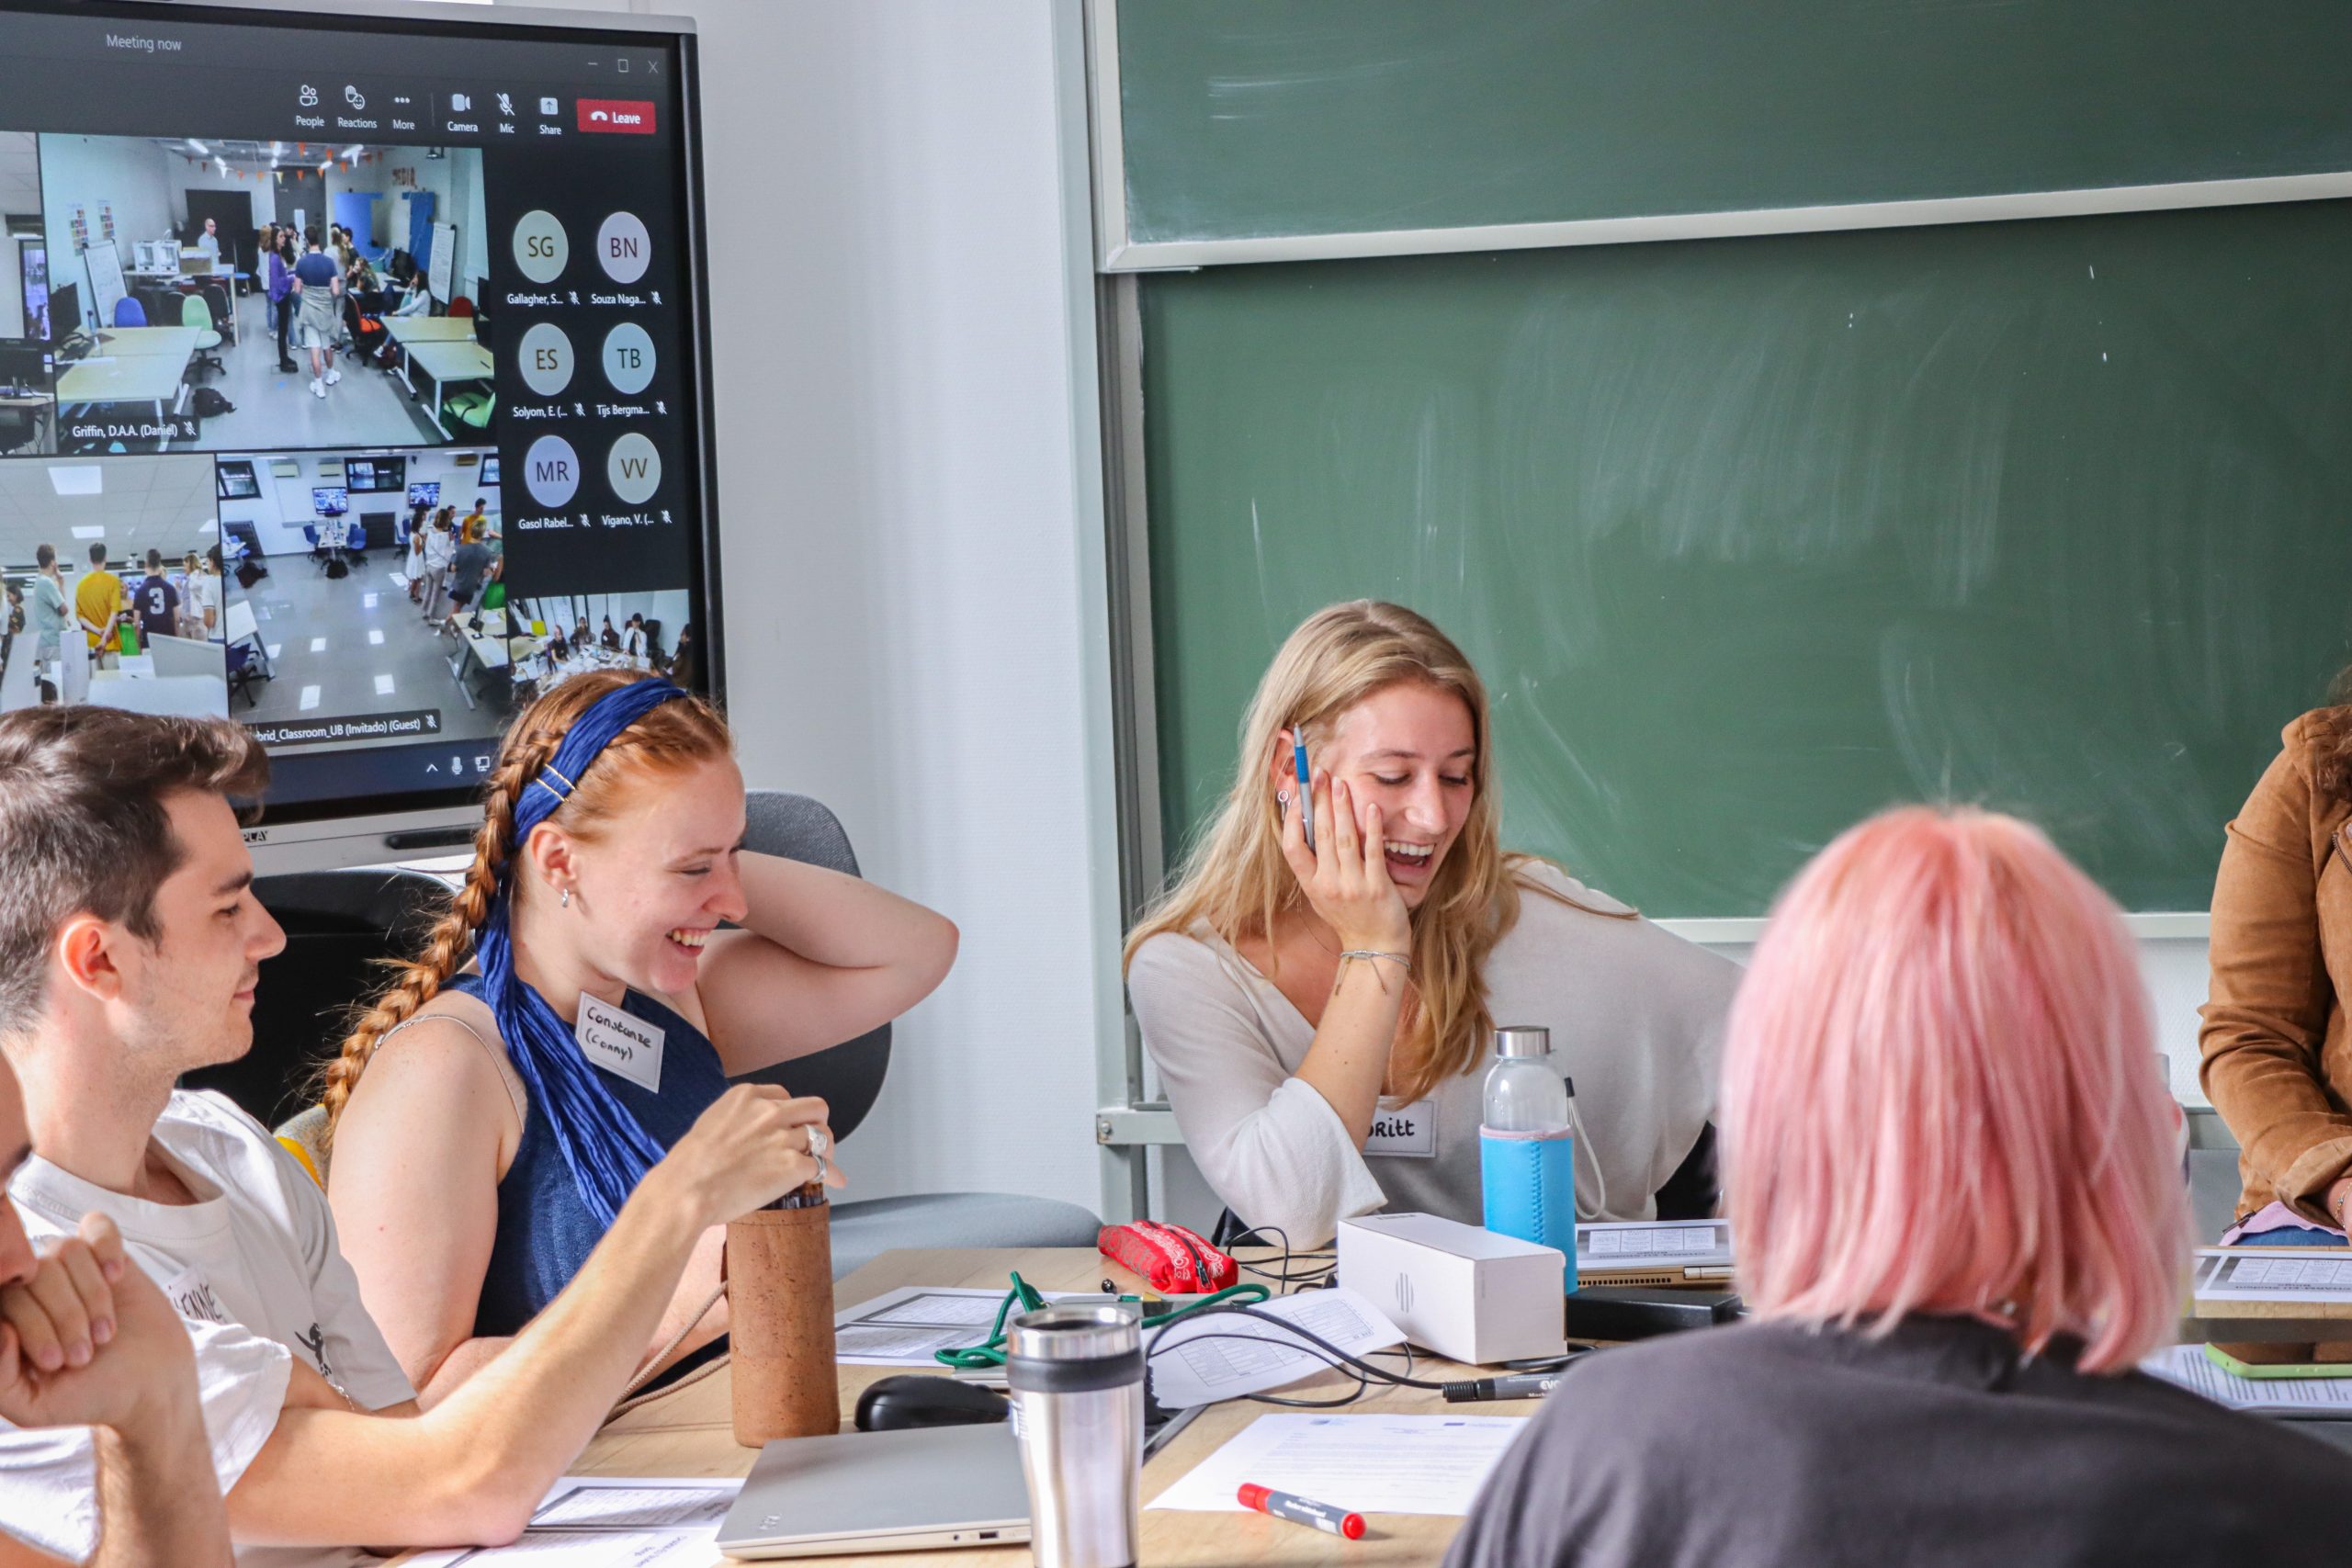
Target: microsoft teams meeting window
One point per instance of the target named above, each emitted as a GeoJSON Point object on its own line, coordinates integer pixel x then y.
{"type": "Point", "coordinates": [344, 383]}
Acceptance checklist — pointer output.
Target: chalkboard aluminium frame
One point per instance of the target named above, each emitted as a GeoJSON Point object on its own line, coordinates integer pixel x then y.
{"type": "Point", "coordinates": [1118, 252]}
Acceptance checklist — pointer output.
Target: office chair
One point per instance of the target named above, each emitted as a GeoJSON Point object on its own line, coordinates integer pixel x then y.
{"type": "Point", "coordinates": [849, 1078]}
{"type": "Point", "coordinates": [461, 306]}
{"type": "Point", "coordinates": [195, 312]}
{"type": "Point", "coordinates": [19, 429]}
{"type": "Point", "coordinates": [222, 304]}
{"type": "Point", "coordinates": [471, 408]}
{"type": "Point", "coordinates": [130, 313]}
{"type": "Point", "coordinates": [339, 925]}
{"type": "Point", "coordinates": [321, 557]}
{"type": "Point", "coordinates": [244, 668]}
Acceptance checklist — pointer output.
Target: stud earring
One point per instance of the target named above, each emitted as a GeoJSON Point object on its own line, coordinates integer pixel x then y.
{"type": "Point", "coordinates": [565, 901]}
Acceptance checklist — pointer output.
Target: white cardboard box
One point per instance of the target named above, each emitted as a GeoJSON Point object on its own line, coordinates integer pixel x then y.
{"type": "Point", "coordinates": [1469, 1294]}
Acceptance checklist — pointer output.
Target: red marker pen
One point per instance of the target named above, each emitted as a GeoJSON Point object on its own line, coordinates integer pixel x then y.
{"type": "Point", "coordinates": [1302, 1511]}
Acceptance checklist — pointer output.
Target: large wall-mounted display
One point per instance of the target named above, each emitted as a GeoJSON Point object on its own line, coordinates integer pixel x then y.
{"type": "Point", "coordinates": [285, 299]}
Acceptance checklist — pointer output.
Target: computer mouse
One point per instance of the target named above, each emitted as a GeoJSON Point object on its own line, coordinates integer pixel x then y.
{"type": "Point", "coordinates": [894, 1405]}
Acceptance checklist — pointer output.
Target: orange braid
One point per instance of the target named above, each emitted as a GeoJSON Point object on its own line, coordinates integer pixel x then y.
{"type": "Point", "coordinates": [451, 941]}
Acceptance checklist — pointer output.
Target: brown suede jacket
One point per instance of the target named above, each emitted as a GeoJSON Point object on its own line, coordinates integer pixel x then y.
{"type": "Point", "coordinates": [2277, 1046]}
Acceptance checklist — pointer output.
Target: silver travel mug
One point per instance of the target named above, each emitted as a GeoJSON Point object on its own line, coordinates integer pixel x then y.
{"type": "Point", "coordinates": [1075, 1373]}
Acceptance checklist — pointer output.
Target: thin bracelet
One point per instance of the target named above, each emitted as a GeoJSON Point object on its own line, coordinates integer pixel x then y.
{"type": "Point", "coordinates": [1368, 953]}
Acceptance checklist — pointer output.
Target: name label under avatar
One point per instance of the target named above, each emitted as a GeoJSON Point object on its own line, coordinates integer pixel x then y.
{"type": "Point", "coordinates": [620, 1043]}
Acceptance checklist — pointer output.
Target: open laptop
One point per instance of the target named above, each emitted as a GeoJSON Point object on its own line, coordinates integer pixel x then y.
{"type": "Point", "coordinates": [905, 1491]}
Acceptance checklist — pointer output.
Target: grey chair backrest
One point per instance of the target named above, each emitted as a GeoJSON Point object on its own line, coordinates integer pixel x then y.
{"type": "Point", "coordinates": [339, 927]}
{"type": "Point", "coordinates": [848, 1076]}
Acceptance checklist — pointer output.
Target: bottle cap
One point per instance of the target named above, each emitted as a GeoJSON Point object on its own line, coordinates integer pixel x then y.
{"type": "Point", "coordinates": [1522, 1040]}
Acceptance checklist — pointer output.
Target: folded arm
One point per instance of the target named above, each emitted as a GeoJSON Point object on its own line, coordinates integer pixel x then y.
{"type": "Point", "coordinates": [822, 958]}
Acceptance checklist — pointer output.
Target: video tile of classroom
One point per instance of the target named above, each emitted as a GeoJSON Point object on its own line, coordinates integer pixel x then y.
{"type": "Point", "coordinates": [127, 506]}
{"type": "Point", "coordinates": [552, 639]}
{"type": "Point", "coordinates": [160, 329]}
{"type": "Point", "coordinates": [345, 657]}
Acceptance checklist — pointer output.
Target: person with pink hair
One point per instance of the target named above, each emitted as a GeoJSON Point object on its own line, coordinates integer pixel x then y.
{"type": "Point", "coordinates": [1960, 1226]}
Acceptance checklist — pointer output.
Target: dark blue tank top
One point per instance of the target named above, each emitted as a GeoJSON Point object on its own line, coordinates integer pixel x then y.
{"type": "Point", "coordinates": [545, 1232]}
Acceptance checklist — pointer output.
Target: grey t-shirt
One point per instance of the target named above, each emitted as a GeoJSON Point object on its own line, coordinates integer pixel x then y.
{"type": "Point", "coordinates": [1769, 1446]}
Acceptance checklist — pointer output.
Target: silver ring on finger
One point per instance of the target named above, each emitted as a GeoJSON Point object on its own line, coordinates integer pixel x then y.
{"type": "Point", "coordinates": [820, 1144]}
{"type": "Point", "coordinates": [821, 1169]}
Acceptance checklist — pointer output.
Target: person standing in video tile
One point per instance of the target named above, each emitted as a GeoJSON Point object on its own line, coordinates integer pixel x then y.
{"type": "Point", "coordinates": [281, 293]}
{"type": "Point", "coordinates": [318, 288]}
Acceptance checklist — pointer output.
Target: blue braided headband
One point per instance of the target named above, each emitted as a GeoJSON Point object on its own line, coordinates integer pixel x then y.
{"type": "Point", "coordinates": [602, 1144]}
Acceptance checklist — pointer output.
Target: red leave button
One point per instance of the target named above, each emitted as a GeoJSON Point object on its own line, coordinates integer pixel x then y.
{"type": "Point", "coordinates": [623, 117]}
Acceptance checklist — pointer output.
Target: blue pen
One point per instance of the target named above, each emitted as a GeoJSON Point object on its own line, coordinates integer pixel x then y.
{"type": "Point", "coordinates": [1306, 785]}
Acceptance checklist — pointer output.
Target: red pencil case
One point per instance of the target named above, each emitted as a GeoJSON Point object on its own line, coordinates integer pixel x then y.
{"type": "Point", "coordinates": [1176, 1261]}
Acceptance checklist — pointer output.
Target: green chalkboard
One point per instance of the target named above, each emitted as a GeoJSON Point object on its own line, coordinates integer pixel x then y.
{"type": "Point", "coordinates": [1244, 118]}
{"type": "Point", "coordinates": [1752, 536]}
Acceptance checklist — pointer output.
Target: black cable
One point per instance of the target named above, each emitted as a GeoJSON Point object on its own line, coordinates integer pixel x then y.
{"type": "Point", "coordinates": [1282, 1274]}
{"type": "Point", "coordinates": [1361, 1382]}
{"type": "Point", "coordinates": [1333, 1355]}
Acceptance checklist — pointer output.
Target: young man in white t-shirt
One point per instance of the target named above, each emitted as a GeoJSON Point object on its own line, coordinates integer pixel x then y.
{"type": "Point", "coordinates": [95, 1361]}
{"type": "Point", "coordinates": [130, 946]}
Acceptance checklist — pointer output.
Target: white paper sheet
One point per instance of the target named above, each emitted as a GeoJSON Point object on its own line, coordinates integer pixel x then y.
{"type": "Point", "coordinates": [2189, 1366]}
{"type": "Point", "coordinates": [2271, 1274]}
{"type": "Point", "coordinates": [591, 1549]}
{"type": "Point", "coordinates": [904, 1327]}
{"type": "Point", "coordinates": [1371, 1464]}
{"type": "Point", "coordinates": [1654, 1243]}
{"type": "Point", "coordinates": [598, 1502]}
{"type": "Point", "coordinates": [602, 1521]}
{"type": "Point", "coordinates": [1199, 1361]}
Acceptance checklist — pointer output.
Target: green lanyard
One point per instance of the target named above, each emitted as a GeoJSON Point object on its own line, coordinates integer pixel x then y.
{"type": "Point", "coordinates": [1024, 1296]}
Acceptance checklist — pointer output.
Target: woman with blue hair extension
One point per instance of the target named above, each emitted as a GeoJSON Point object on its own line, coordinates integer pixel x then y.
{"type": "Point", "coordinates": [575, 1011]}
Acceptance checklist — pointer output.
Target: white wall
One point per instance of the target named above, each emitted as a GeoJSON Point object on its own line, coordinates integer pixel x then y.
{"type": "Point", "coordinates": [908, 493]}
{"type": "Point", "coordinates": [122, 172]}
{"type": "Point", "coordinates": [284, 505]}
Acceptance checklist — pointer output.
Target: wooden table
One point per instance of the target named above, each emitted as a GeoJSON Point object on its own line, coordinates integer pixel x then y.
{"type": "Point", "coordinates": [688, 1431]}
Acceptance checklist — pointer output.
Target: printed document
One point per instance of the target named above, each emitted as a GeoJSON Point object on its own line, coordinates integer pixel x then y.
{"type": "Point", "coordinates": [1654, 1243]}
{"type": "Point", "coordinates": [2189, 1366]}
{"type": "Point", "coordinates": [1369, 1464]}
{"type": "Point", "coordinates": [904, 1327]}
{"type": "Point", "coordinates": [2273, 1274]}
{"type": "Point", "coordinates": [1224, 1355]}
